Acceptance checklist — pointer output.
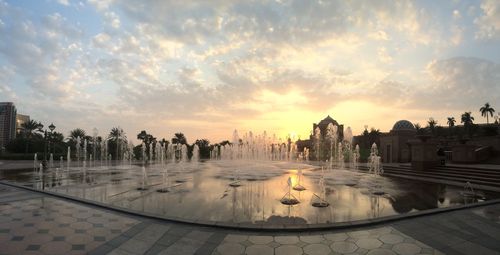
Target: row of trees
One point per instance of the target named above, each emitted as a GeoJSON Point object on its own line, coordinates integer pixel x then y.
{"type": "Point", "coordinates": [468, 127]}
{"type": "Point", "coordinates": [31, 140]}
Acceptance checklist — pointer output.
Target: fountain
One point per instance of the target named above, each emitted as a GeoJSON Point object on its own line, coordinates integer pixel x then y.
{"type": "Point", "coordinates": [196, 154]}
{"type": "Point", "coordinates": [35, 161]}
{"type": "Point", "coordinates": [340, 156]}
{"type": "Point", "coordinates": [374, 164]}
{"type": "Point", "coordinates": [298, 186]}
{"type": "Point", "coordinates": [68, 157]}
{"type": "Point", "coordinates": [331, 136]}
{"type": "Point", "coordinates": [144, 182]}
{"type": "Point", "coordinates": [78, 144]}
{"type": "Point", "coordinates": [355, 158]}
{"type": "Point", "coordinates": [236, 182]}
{"type": "Point", "coordinates": [289, 198]}
{"type": "Point", "coordinates": [320, 200]}
{"type": "Point", "coordinates": [250, 173]}
{"type": "Point", "coordinates": [165, 188]}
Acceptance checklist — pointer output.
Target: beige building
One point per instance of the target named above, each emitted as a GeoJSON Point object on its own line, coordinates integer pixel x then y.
{"type": "Point", "coordinates": [20, 119]}
{"type": "Point", "coordinates": [394, 146]}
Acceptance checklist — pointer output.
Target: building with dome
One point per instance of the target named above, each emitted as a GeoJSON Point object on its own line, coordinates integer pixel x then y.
{"type": "Point", "coordinates": [394, 146]}
{"type": "Point", "coordinates": [322, 125]}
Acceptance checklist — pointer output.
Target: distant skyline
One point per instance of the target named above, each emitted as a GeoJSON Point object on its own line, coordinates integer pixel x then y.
{"type": "Point", "coordinates": [205, 68]}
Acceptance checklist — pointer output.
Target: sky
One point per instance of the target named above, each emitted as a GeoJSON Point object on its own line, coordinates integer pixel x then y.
{"type": "Point", "coordinates": [205, 68]}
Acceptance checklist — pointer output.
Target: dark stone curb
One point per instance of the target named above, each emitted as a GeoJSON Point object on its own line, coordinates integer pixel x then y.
{"type": "Point", "coordinates": [261, 227]}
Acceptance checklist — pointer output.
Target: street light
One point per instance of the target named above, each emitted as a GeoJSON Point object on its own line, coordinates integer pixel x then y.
{"type": "Point", "coordinates": [45, 136]}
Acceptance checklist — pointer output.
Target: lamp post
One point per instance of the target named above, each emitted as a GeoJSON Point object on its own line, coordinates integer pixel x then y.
{"type": "Point", "coordinates": [45, 136]}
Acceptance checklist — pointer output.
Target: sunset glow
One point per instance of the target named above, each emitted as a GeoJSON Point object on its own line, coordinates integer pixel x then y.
{"type": "Point", "coordinates": [207, 68]}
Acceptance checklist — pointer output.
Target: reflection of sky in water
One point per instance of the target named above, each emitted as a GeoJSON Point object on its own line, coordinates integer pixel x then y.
{"type": "Point", "coordinates": [202, 192]}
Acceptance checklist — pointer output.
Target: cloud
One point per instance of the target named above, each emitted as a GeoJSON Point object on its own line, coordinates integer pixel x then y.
{"type": "Point", "coordinates": [489, 21]}
{"type": "Point", "coordinates": [458, 83]}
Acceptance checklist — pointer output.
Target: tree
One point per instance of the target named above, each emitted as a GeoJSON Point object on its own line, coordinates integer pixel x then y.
{"type": "Point", "coordinates": [204, 147]}
{"type": "Point", "coordinates": [116, 137]}
{"type": "Point", "coordinates": [451, 123]}
{"type": "Point", "coordinates": [179, 138]}
{"type": "Point", "coordinates": [487, 111]}
{"type": "Point", "coordinates": [468, 121]}
{"type": "Point", "coordinates": [432, 125]}
{"type": "Point", "coordinates": [147, 139]}
{"type": "Point", "coordinates": [30, 128]}
{"type": "Point", "coordinates": [77, 132]}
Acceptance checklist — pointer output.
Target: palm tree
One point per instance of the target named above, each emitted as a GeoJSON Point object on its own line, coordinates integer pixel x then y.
{"type": "Point", "coordinates": [77, 132]}
{"type": "Point", "coordinates": [487, 110]}
{"type": "Point", "coordinates": [432, 125]}
{"type": "Point", "coordinates": [451, 122]}
{"type": "Point", "coordinates": [468, 121]}
{"type": "Point", "coordinates": [179, 138]}
{"type": "Point", "coordinates": [117, 135]}
{"type": "Point", "coordinates": [30, 127]}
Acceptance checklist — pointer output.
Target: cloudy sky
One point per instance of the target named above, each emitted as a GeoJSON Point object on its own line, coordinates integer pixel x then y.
{"type": "Point", "coordinates": [208, 67]}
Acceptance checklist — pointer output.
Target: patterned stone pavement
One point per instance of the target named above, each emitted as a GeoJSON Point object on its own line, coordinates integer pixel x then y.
{"type": "Point", "coordinates": [33, 223]}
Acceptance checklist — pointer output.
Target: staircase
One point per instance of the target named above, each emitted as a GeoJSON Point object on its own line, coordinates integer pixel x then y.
{"type": "Point", "coordinates": [483, 178]}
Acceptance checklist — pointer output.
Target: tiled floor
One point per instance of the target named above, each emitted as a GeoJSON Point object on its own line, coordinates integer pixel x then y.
{"type": "Point", "coordinates": [382, 240]}
{"type": "Point", "coordinates": [33, 223]}
{"type": "Point", "coordinates": [46, 225]}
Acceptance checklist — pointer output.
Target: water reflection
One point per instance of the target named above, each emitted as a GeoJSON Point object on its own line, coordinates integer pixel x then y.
{"type": "Point", "coordinates": [203, 191]}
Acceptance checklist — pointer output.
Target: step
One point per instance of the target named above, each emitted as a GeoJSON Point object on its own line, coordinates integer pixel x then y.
{"type": "Point", "coordinates": [445, 175]}
{"type": "Point", "coordinates": [430, 176]}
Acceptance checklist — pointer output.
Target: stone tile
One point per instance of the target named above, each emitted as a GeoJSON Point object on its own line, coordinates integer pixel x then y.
{"type": "Point", "coordinates": [406, 248]}
{"type": "Point", "coordinates": [79, 239]}
{"type": "Point", "coordinates": [391, 238]}
{"type": "Point", "coordinates": [359, 233]}
{"type": "Point", "coordinates": [259, 249]}
{"type": "Point", "coordinates": [230, 248]}
{"type": "Point", "coordinates": [317, 249]}
{"type": "Point", "coordinates": [344, 247]}
{"type": "Point", "coordinates": [185, 246]}
{"type": "Point", "coordinates": [260, 239]}
{"type": "Point", "coordinates": [199, 235]}
{"type": "Point", "coordinates": [246, 243]}
{"type": "Point", "coordinates": [152, 233]}
{"type": "Point", "coordinates": [135, 246]}
{"type": "Point", "coordinates": [273, 244]}
{"type": "Point", "coordinates": [235, 238]}
{"type": "Point", "coordinates": [37, 239]}
{"type": "Point", "coordinates": [368, 243]}
{"type": "Point", "coordinates": [56, 248]}
{"type": "Point", "coordinates": [168, 239]}
{"type": "Point", "coordinates": [286, 239]}
{"type": "Point", "coordinates": [312, 239]}
{"type": "Point", "coordinates": [380, 231]}
{"type": "Point", "coordinates": [119, 251]}
{"type": "Point", "coordinates": [336, 236]}
{"type": "Point", "coordinates": [288, 250]}
{"type": "Point", "coordinates": [380, 252]}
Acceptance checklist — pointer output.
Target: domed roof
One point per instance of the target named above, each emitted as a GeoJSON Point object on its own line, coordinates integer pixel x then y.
{"type": "Point", "coordinates": [327, 121]}
{"type": "Point", "coordinates": [403, 125]}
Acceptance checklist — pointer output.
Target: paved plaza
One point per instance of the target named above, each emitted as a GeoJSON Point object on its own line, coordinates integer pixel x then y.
{"type": "Point", "coordinates": [35, 223]}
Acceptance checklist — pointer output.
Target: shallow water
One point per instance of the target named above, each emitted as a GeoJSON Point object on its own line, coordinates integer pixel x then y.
{"type": "Point", "coordinates": [201, 191]}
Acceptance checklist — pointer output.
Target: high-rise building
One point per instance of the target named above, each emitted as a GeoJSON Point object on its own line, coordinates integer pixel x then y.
{"type": "Point", "coordinates": [20, 120]}
{"type": "Point", "coordinates": [8, 114]}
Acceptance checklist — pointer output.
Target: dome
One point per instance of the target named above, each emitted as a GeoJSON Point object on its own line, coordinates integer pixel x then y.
{"type": "Point", "coordinates": [403, 125]}
{"type": "Point", "coordinates": [327, 121]}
